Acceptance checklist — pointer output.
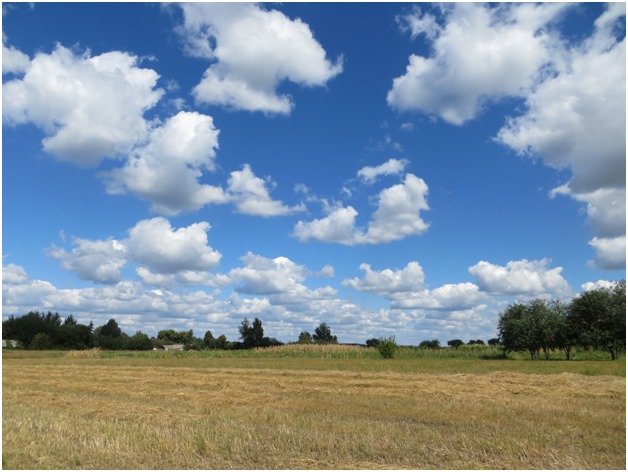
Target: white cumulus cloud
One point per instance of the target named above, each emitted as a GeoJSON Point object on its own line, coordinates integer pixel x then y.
{"type": "Point", "coordinates": [454, 297]}
{"type": "Point", "coordinates": [396, 217]}
{"type": "Point", "coordinates": [525, 278]}
{"type": "Point", "coordinates": [385, 282]}
{"type": "Point", "coordinates": [161, 252]}
{"type": "Point", "coordinates": [89, 107]}
{"type": "Point", "coordinates": [253, 50]}
{"type": "Point", "coordinates": [159, 247]}
{"type": "Point", "coordinates": [14, 61]}
{"type": "Point", "coordinates": [576, 120]}
{"type": "Point", "coordinates": [392, 166]}
{"type": "Point", "coordinates": [100, 261]}
{"type": "Point", "coordinates": [482, 53]}
{"type": "Point", "coordinates": [251, 196]}
{"type": "Point", "coordinates": [166, 170]}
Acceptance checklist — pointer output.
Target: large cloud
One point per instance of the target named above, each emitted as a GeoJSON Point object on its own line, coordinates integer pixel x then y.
{"type": "Point", "coordinates": [397, 216]}
{"type": "Point", "coordinates": [166, 170]}
{"type": "Point", "coordinates": [576, 120]}
{"type": "Point", "coordinates": [405, 288]}
{"type": "Point", "coordinates": [521, 278]}
{"type": "Point", "coordinates": [100, 261]}
{"type": "Point", "coordinates": [263, 276]}
{"type": "Point", "coordinates": [160, 251]}
{"type": "Point", "coordinates": [385, 282]}
{"type": "Point", "coordinates": [254, 51]}
{"type": "Point", "coordinates": [575, 96]}
{"type": "Point", "coordinates": [14, 61]}
{"type": "Point", "coordinates": [482, 53]}
{"type": "Point", "coordinates": [88, 107]}
{"type": "Point", "coordinates": [156, 245]}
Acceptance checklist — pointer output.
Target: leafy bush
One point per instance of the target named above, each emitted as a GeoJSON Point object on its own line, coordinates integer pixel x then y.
{"type": "Point", "coordinates": [430, 344]}
{"type": "Point", "coordinates": [387, 347]}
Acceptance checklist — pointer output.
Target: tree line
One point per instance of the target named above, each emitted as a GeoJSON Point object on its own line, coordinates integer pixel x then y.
{"type": "Point", "coordinates": [39, 330]}
{"type": "Point", "coordinates": [594, 319]}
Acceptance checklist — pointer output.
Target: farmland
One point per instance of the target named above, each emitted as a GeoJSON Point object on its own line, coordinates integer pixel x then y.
{"type": "Point", "coordinates": [326, 407]}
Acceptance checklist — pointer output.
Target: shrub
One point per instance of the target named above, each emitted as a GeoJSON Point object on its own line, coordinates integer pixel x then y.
{"type": "Point", "coordinates": [430, 344]}
{"type": "Point", "coordinates": [387, 347]}
{"type": "Point", "coordinates": [41, 341]}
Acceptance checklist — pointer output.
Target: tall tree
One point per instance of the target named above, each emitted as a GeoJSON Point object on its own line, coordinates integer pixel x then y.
{"type": "Point", "coordinates": [599, 318]}
{"type": "Point", "coordinates": [252, 335]}
{"type": "Point", "coordinates": [305, 338]}
{"type": "Point", "coordinates": [322, 335]}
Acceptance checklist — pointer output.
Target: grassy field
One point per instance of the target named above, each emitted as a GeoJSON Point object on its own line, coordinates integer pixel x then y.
{"type": "Point", "coordinates": [321, 408]}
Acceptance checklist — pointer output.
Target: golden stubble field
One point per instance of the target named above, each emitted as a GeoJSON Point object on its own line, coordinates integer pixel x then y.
{"type": "Point", "coordinates": [69, 413]}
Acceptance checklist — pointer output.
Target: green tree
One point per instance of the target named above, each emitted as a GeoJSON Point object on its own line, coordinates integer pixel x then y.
{"type": "Point", "coordinates": [170, 336]}
{"type": "Point", "coordinates": [305, 338]}
{"type": "Point", "coordinates": [111, 329]}
{"type": "Point", "coordinates": [387, 347]}
{"type": "Point", "coordinates": [252, 335]}
{"type": "Point", "coordinates": [208, 340]}
{"type": "Point", "coordinates": [599, 318]}
{"type": "Point", "coordinates": [322, 335]}
{"type": "Point", "coordinates": [110, 336]}
{"type": "Point", "coordinates": [221, 342]}
{"type": "Point", "coordinates": [41, 341]}
{"type": "Point", "coordinates": [532, 327]}
{"type": "Point", "coordinates": [430, 344]}
{"type": "Point", "coordinates": [24, 328]}
{"type": "Point", "coordinates": [138, 342]}
{"type": "Point", "coordinates": [455, 343]}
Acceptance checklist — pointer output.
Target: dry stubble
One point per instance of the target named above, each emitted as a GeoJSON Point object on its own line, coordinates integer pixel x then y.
{"type": "Point", "coordinates": [108, 416]}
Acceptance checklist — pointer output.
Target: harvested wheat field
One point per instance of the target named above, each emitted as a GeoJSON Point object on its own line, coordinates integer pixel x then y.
{"type": "Point", "coordinates": [71, 413]}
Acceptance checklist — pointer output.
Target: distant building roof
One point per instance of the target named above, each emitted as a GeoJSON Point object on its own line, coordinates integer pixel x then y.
{"type": "Point", "coordinates": [174, 347]}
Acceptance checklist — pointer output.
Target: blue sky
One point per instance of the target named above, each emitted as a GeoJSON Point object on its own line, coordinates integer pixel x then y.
{"type": "Point", "coordinates": [388, 168]}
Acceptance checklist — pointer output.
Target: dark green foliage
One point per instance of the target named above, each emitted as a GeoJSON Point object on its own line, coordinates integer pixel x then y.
{"type": "Point", "coordinates": [170, 336]}
{"type": "Point", "coordinates": [66, 335]}
{"type": "Point", "coordinates": [110, 336]}
{"type": "Point", "coordinates": [493, 342]}
{"type": "Point", "coordinates": [387, 347]}
{"type": "Point", "coordinates": [596, 318]}
{"type": "Point", "coordinates": [322, 335]}
{"type": "Point", "coordinates": [305, 338]}
{"type": "Point", "coordinates": [138, 342]}
{"type": "Point", "coordinates": [110, 329]}
{"type": "Point", "coordinates": [599, 318]}
{"type": "Point", "coordinates": [372, 342]}
{"type": "Point", "coordinates": [532, 327]}
{"type": "Point", "coordinates": [221, 342]}
{"type": "Point", "coordinates": [42, 341]}
{"type": "Point", "coordinates": [455, 343]}
{"type": "Point", "coordinates": [431, 344]}
{"type": "Point", "coordinates": [475, 341]}
{"type": "Point", "coordinates": [252, 335]}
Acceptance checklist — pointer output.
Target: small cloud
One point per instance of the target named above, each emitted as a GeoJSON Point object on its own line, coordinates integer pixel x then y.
{"type": "Point", "coordinates": [391, 167]}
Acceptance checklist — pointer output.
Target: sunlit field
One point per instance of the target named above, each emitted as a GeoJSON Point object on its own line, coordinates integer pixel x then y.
{"type": "Point", "coordinates": [322, 407]}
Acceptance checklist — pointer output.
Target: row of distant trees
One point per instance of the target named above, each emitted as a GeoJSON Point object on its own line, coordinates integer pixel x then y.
{"type": "Point", "coordinates": [36, 330]}
{"type": "Point", "coordinates": [594, 319]}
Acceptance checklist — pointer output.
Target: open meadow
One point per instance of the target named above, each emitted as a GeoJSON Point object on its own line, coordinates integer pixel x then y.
{"type": "Point", "coordinates": [325, 407]}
